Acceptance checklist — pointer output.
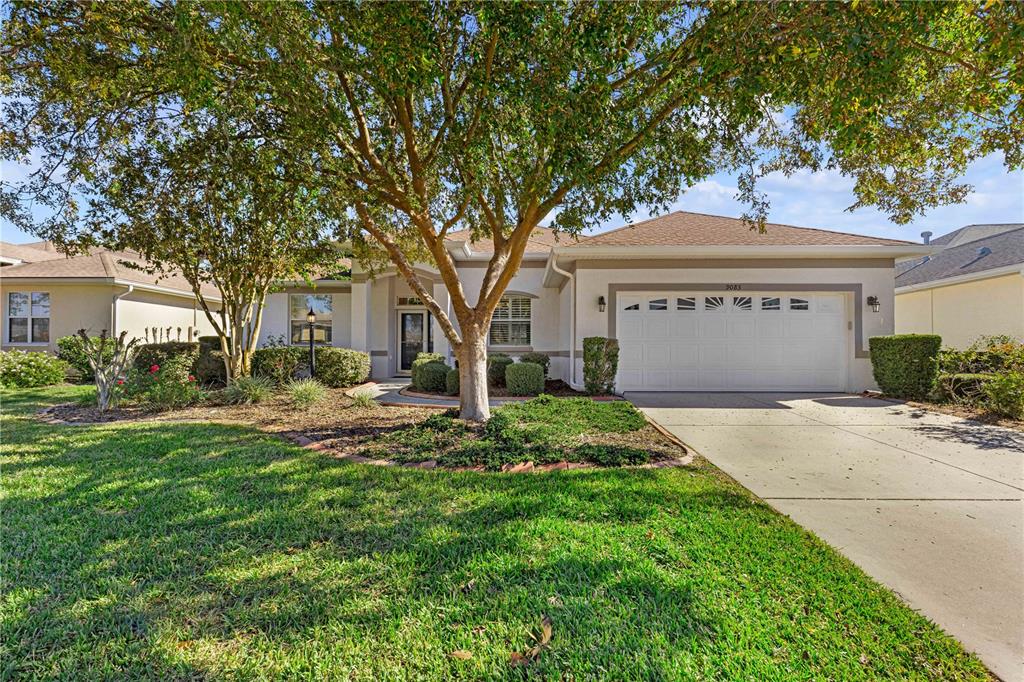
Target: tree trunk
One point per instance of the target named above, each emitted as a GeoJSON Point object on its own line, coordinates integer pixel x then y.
{"type": "Point", "coordinates": [472, 354]}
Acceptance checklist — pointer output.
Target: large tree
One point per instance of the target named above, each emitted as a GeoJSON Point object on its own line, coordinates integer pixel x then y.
{"type": "Point", "coordinates": [424, 118]}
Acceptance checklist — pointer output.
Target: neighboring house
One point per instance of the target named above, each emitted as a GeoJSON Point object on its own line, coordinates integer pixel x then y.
{"type": "Point", "coordinates": [972, 286]}
{"type": "Point", "coordinates": [45, 295]}
{"type": "Point", "coordinates": [697, 302]}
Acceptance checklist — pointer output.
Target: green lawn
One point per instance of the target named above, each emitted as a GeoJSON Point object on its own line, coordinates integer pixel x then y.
{"type": "Point", "coordinates": [184, 550]}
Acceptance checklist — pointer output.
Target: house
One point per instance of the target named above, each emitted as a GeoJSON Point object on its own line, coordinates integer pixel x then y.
{"type": "Point", "coordinates": [973, 285]}
{"type": "Point", "coordinates": [44, 295]}
{"type": "Point", "coordinates": [697, 302]}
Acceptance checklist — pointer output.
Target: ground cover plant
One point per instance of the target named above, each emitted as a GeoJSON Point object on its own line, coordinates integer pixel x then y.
{"type": "Point", "coordinates": [158, 550]}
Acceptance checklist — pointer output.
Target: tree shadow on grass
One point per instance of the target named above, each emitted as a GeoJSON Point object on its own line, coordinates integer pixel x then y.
{"type": "Point", "coordinates": [185, 550]}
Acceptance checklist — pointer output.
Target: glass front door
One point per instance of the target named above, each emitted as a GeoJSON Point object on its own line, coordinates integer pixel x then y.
{"type": "Point", "coordinates": [412, 338]}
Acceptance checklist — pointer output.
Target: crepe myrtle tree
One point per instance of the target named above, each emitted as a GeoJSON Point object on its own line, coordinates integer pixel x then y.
{"type": "Point", "coordinates": [424, 118]}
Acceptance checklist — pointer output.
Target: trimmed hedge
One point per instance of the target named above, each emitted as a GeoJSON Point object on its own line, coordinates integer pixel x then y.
{"type": "Point", "coordinates": [340, 367]}
{"type": "Point", "coordinates": [496, 365]}
{"type": "Point", "coordinates": [21, 369]}
{"type": "Point", "coordinates": [174, 358]}
{"type": "Point", "coordinates": [71, 349]}
{"type": "Point", "coordinates": [278, 364]}
{"type": "Point", "coordinates": [538, 359]}
{"type": "Point", "coordinates": [525, 378]}
{"type": "Point", "coordinates": [209, 368]}
{"type": "Point", "coordinates": [600, 364]}
{"type": "Point", "coordinates": [421, 360]}
{"type": "Point", "coordinates": [451, 382]}
{"type": "Point", "coordinates": [905, 364]}
{"type": "Point", "coordinates": [433, 377]}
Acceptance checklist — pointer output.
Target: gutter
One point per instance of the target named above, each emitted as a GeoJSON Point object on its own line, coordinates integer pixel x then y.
{"type": "Point", "coordinates": [1015, 269]}
{"type": "Point", "coordinates": [572, 316]}
{"type": "Point", "coordinates": [897, 251]}
{"type": "Point", "coordinates": [113, 311]}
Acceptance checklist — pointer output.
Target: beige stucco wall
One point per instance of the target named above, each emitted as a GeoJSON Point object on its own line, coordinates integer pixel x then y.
{"type": "Point", "coordinates": [140, 311]}
{"type": "Point", "coordinates": [960, 313]}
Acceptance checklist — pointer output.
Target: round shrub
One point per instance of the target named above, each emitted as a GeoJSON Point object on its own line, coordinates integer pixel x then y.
{"type": "Point", "coordinates": [524, 378]}
{"type": "Point", "coordinates": [279, 364]}
{"type": "Point", "coordinates": [451, 382]}
{"type": "Point", "coordinates": [537, 358]}
{"type": "Point", "coordinates": [421, 360]}
{"type": "Point", "coordinates": [71, 349]}
{"type": "Point", "coordinates": [433, 377]}
{"type": "Point", "coordinates": [340, 367]}
{"type": "Point", "coordinates": [905, 364]}
{"type": "Point", "coordinates": [175, 358]}
{"type": "Point", "coordinates": [496, 365]}
{"type": "Point", "coordinates": [19, 369]}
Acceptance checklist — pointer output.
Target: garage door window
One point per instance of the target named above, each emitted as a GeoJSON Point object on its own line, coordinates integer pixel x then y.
{"type": "Point", "coordinates": [713, 302]}
{"type": "Point", "coordinates": [742, 303]}
{"type": "Point", "coordinates": [686, 304]}
{"type": "Point", "coordinates": [770, 303]}
{"type": "Point", "coordinates": [799, 304]}
{"type": "Point", "coordinates": [658, 304]}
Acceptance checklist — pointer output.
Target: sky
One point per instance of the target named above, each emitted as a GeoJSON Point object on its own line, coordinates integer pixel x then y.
{"type": "Point", "coordinates": [814, 200]}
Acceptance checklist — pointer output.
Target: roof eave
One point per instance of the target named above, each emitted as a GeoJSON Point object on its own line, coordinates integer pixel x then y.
{"type": "Point", "coordinates": [895, 251]}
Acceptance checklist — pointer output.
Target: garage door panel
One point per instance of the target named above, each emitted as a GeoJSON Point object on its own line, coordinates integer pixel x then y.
{"type": "Point", "coordinates": [757, 341]}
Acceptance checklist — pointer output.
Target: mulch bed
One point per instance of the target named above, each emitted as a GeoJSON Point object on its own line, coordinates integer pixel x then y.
{"type": "Point", "coordinates": [340, 428]}
{"type": "Point", "coordinates": [972, 413]}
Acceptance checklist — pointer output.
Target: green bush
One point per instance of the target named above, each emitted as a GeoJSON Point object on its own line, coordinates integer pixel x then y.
{"type": "Point", "coordinates": [71, 349]}
{"type": "Point", "coordinates": [340, 367]}
{"type": "Point", "coordinates": [433, 377]}
{"type": "Point", "coordinates": [905, 365]}
{"type": "Point", "coordinates": [20, 369]}
{"type": "Point", "coordinates": [165, 388]}
{"type": "Point", "coordinates": [538, 359]}
{"type": "Point", "coordinates": [305, 392]}
{"type": "Point", "coordinates": [451, 382]}
{"type": "Point", "coordinates": [248, 390]}
{"type": "Point", "coordinates": [1005, 394]}
{"type": "Point", "coordinates": [524, 378]}
{"type": "Point", "coordinates": [496, 365]}
{"type": "Point", "coordinates": [209, 368]}
{"type": "Point", "coordinates": [278, 364]}
{"type": "Point", "coordinates": [600, 364]}
{"type": "Point", "coordinates": [963, 388]}
{"type": "Point", "coordinates": [423, 359]}
{"type": "Point", "coordinates": [173, 358]}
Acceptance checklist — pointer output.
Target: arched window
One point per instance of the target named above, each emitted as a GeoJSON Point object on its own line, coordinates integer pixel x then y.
{"type": "Point", "coordinates": [510, 324]}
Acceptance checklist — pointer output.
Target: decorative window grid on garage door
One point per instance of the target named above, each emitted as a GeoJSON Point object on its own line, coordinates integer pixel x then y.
{"type": "Point", "coordinates": [760, 341]}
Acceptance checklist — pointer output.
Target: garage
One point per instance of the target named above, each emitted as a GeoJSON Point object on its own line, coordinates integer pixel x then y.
{"type": "Point", "coordinates": [727, 341]}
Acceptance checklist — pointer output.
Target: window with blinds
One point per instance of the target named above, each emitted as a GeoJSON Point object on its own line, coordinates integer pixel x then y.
{"type": "Point", "coordinates": [510, 324]}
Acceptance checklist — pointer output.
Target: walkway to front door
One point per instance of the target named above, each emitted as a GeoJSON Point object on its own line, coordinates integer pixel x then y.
{"type": "Point", "coordinates": [928, 504]}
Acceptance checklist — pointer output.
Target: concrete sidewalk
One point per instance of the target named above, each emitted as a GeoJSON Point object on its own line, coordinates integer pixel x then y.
{"type": "Point", "coordinates": [928, 504]}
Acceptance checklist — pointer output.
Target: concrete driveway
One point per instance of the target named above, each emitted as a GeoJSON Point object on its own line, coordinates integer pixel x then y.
{"type": "Point", "coordinates": [928, 504]}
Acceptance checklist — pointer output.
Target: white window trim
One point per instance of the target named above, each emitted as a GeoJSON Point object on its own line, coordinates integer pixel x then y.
{"type": "Point", "coordinates": [511, 319]}
{"type": "Point", "coordinates": [8, 316]}
{"type": "Point", "coordinates": [303, 320]}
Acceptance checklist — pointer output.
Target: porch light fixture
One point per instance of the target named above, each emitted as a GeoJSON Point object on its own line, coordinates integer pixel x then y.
{"type": "Point", "coordinates": [873, 302]}
{"type": "Point", "coordinates": [311, 318]}
{"type": "Point", "coordinates": [600, 303]}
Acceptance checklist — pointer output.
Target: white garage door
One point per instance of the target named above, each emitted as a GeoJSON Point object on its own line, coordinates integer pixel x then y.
{"type": "Point", "coordinates": [754, 341]}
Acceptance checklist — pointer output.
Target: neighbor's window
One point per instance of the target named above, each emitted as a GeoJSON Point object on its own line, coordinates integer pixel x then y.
{"type": "Point", "coordinates": [323, 306]}
{"type": "Point", "coordinates": [28, 317]}
{"type": "Point", "coordinates": [510, 325]}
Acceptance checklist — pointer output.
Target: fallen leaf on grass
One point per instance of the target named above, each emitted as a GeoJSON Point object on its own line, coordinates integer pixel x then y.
{"type": "Point", "coordinates": [542, 642]}
{"type": "Point", "coordinates": [461, 654]}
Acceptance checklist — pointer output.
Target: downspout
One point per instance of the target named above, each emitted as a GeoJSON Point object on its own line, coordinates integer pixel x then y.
{"type": "Point", "coordinates": [572, 317]}
{"type": "Point", "coordinates": [113, 311]}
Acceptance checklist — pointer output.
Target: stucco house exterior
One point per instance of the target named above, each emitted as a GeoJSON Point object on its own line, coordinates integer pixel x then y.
{"type": "Point", "coordinates": [697, 302]}
{"type": "Point", "coordinates": [45, 295]}
{"type": "Point", "coordinates": [972, 285]}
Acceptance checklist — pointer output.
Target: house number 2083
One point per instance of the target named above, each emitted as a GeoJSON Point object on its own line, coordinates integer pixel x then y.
{"type": "Point", "coordinates": [733, 287]}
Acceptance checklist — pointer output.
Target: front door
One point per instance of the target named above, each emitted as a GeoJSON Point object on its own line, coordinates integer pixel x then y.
{"type": "Point", "coordinates": [412, 337]}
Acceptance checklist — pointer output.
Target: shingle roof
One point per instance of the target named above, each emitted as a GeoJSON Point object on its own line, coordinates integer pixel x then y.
{"type": "Point", "coordinates": [1007, 248]}
{"type": "Point", "coordinates": [970, 233]}
{"type": "Point", "coordinates": [541, 241]}
{"type": "Point", "coordinates": [28, 253]}
{"type": "Point", "coordinates": [100, 264]}
{"type": "Point", "coordinates": [683, 228]}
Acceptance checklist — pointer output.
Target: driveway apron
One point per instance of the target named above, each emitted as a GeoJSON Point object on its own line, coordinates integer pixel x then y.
{"type": "Point", "coordinates": [928, 504]}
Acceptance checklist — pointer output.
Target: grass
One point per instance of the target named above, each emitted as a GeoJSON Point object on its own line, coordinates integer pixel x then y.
{"type": "Point", "coordinates": [163, 551]}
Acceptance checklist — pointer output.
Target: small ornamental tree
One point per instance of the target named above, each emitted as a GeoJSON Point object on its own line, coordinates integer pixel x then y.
{"type": "Point", "coordinates": [108, 357]}
{"type": "Point", "coordinates": [418, 119]}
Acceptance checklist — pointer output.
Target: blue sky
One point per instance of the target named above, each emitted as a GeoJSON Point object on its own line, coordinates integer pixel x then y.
{"type": "Point", "coordinates": [815, 200]}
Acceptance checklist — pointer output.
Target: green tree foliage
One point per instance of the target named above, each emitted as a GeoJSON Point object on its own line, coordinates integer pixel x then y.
{"type": "Point", "coordinates": [421, 118]}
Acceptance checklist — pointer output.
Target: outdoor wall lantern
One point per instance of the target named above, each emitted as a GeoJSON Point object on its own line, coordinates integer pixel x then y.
{"type": "Point", "coordinates": [600, 303]}
{"type": "Point", "coordinates": [873, 302]}
{"type": "Point", "coordinates": [311, 318]}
